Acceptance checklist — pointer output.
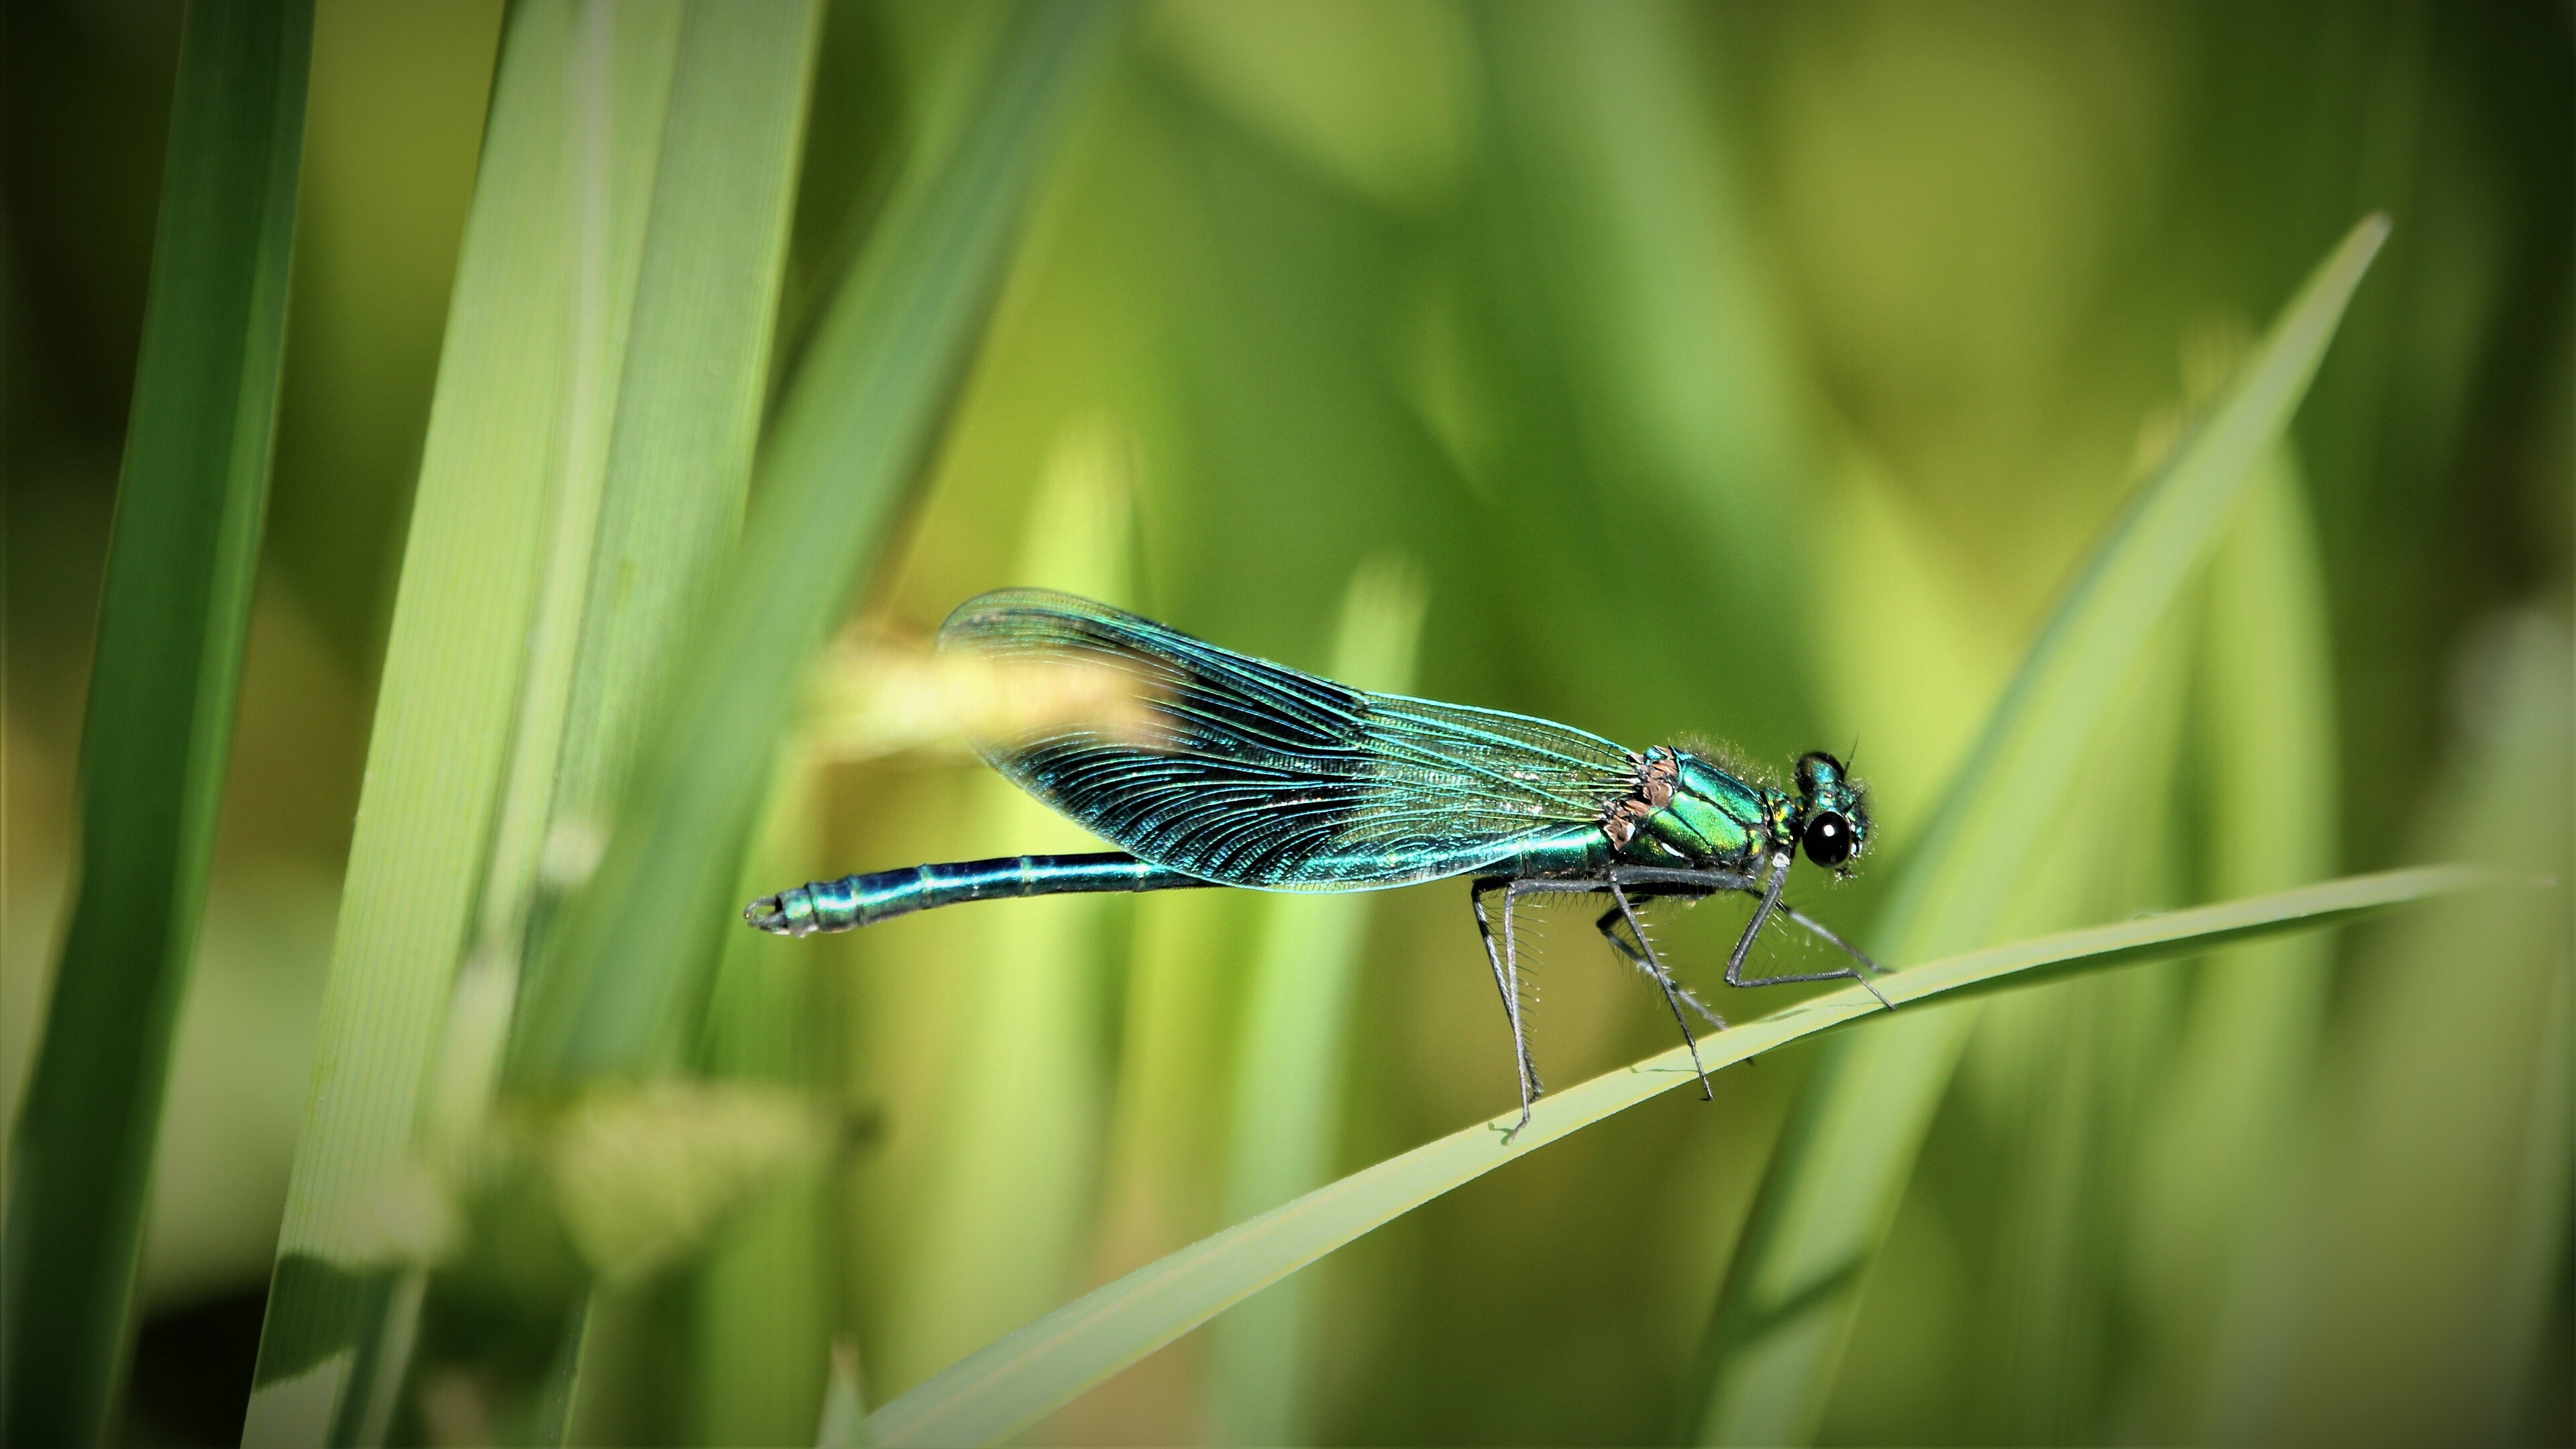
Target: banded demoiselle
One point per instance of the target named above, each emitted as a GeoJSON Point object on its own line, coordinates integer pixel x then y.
{"type": "Point", "coordinates": [1212, 768]}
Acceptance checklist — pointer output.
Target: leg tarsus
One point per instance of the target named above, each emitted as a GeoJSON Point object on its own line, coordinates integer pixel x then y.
{"type": "Point", "coordinates": [1817, 929]}
{"type": "Point", "coordinates": [1867, 985]}
{"type": "Point", "coordinates": [1534, 1087]}
{"type": "Point", "coordinates": [1506, 965]}
{"type": "Point", "coordinates": [1771, 902]}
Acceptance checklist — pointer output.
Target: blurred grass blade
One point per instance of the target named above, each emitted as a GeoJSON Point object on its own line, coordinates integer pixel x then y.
{"type": "Point", "coordinates": [764, 1301]}
{"type": "Point", "coordinates": [863, 410]}
{"type": "Point", "coordinates": [1019, 1379]}
{"type": "Point", "coordinates": [1786, 1307]}
{"type": "Point", "coordinates": [475, 672]}
{"type": "Point", "coordinates": [2404, 1295]}
{"type": "Point", "coordinates": [1641, 367]}
{"type": "Point", "coordinates": [1288, 1086]}
{"type": "Point", "coordinates": [590, 444]}
{"type": "Point", "coordinates": [1012, 1177]}
{"type": "Point", "coordinates": [697, 364]}
{"type": "Point", "coordinates": [2220, 1136]}
{"type": "Point", "coordinates": [679, 467]}
{"type": "Point", "coordinates": [1666, 317]}
{"type": "Point", "coordinates": [157, 735]}
{"type": "Point", "coordinates": [2057, 1075]}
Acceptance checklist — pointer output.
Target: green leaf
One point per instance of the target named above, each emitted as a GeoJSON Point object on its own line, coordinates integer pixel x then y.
{"type": "Point", "coordinates": [1786, 1308]}
{"type": "Point", "coordinates": [157, 736]}
{"type": "Point", "coordinates": [589, 449]}
{"type": "Point", "coordinates": [1021, 1378]}
{"type": "Point", "coordinates": [863, 411]}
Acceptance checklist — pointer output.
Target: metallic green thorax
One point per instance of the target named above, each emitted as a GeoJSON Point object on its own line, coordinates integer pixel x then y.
{"type": "Point", "coordinates": [1687, 812]}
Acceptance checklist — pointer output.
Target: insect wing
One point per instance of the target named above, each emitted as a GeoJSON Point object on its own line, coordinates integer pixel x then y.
{"type": "Point", "coordinates": [1236, 770]}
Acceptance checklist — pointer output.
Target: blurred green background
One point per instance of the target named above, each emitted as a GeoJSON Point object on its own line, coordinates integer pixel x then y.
{"type": "Point", "coordinates": [1748, 372]}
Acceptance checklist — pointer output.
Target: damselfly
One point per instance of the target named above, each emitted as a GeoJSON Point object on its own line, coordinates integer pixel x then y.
{"type": "Point", "coordinates": [1218, 769]}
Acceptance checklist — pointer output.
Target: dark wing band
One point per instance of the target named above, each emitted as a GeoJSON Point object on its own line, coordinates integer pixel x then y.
{"type": "Point", "coordinates": [1236, 770]}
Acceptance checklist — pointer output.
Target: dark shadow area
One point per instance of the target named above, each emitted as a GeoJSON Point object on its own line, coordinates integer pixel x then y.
{"type": "Point", "coordinates": [191, 1379]}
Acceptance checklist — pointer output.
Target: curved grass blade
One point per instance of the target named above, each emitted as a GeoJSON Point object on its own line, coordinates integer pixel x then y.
{"type": "Point", "coordinates": [1019, 1379]}
{"type": "Point", "coordinates": [173, 618]}
{"type": "Point", "coordinates": [863, 410]}
{"type": "Point", "coordinates": [1825, 1204]}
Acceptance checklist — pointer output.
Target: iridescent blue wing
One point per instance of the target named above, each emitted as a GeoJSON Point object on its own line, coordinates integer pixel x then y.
{"type": "Point", "coordinates": [1240, 771]}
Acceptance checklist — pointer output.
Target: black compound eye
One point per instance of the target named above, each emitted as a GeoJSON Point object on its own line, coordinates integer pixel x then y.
{"type": "Point", "coordinates": [1828, 839]}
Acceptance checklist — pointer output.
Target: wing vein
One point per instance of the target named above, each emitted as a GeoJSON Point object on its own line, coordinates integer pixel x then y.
{"type": "Point", "coordinates": [1237, 770]}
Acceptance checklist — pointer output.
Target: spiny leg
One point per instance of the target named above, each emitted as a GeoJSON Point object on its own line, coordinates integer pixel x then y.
{"type": "Point", "coordinates": [1698, 884]}
{"type": "Point", "coordinates": [1688, 997]}
{"type": "Point", "coordinates": [1770, 898]}
{"type": "Point", "coordinates": [1644, 957]}
{"type": "Point", "coordinates": [1817, 929]}
{"type": "Point", "coordinates": [1647, 963]}
{"type": "Point", "coordinates": [1506, 964]}
{"type": "Point", "coordinates": [1695, 883]}
{"type": "Point", "coordinates": [1712, 882]}
{"type": "Point", "coordinates": [1848, 949]}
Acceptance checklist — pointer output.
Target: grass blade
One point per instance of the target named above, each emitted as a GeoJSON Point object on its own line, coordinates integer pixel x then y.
{"type": "Point", "coordinates": [445, 846]}
{"type": "Point", "coordinates": [2055, 1077]}
{"type": "Point", "coordinates": [2221, 1133]}
{"type": "Point", "coordinates": [1786, 1307]}
{"type": "Point", "coordinates": [1638, 364]}
{"type": "Point", "coordinates": [764, 1302]}
{"type": "Point", "coordinates": [1288, 1088]}
{"type": "Point", "coordinates": [688, 416]}
{"type": "Point", "coordinates": [697, 368]}
{"type": "Point", "coordinates": [2403, 1294]}
{"type": "Point", "coordinates": [1012, 1177]}
{"type": "Point", "coordinates": [1016, 1381]}
{"type": "Point", "coordinates": [589, 448]}
{"type": "Point", "coordinates": [157, 736]}
{"type": "Point", "coordinates": [863, 410]}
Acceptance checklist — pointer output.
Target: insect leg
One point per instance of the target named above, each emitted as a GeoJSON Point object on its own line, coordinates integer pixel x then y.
{"type": "Point", "coordinates": [1770, 897]}
{"type": "Point", "coordinates": [1607, 927]}
{"type": "Point", "coordinates": [1753, 928]}
{"type": "Point", "coordinates": [1644, 957]}
{"type": "Point", "coordinates": [1829, 938]}
{"type": "Point", "coordinates": [1692, 882]}
{"type": "Point", "coordinates": [1817, 929]}
{"type": "Point", "coordinates": [1506, 964]}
